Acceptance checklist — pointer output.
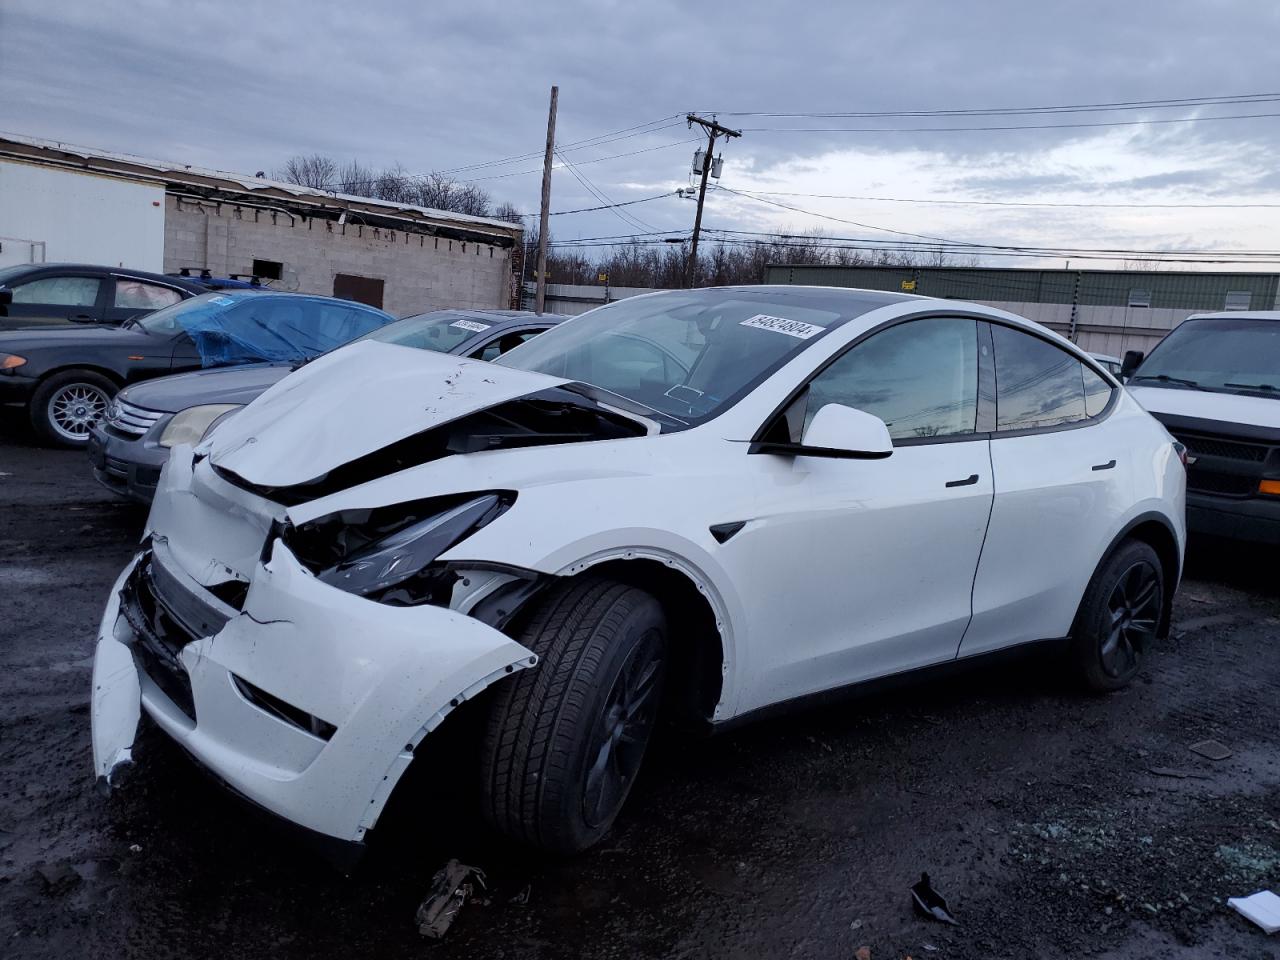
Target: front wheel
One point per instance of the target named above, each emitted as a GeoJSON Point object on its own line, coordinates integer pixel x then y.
{"type": "Point", "coordinates": [66, 405]}
{"type": "Point", "coordinates": [565, 739]}
{"type": "Point", "coordinates": [1119, 617]}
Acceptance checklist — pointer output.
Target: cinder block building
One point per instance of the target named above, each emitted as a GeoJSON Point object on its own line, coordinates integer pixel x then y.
{"type": "Point", "coordinates": [64, 203]}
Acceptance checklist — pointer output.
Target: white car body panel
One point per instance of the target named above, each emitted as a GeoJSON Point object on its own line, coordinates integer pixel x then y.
{"type": "Point", "coordinates": [1209, 405]}
{"type": "Point", "coordinates": [844, 569]}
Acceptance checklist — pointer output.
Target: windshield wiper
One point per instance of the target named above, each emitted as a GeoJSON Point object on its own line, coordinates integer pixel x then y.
{"type": "Point", "coordinates": [1165, 378]}
{"type": "Point", "coordinates": [1263, 387]}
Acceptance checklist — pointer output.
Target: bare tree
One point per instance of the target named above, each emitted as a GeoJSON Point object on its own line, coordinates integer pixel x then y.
{"type": "Point", "coordinates": [310, 170]}
{"type": "Point", "coordinates": [509, 212]}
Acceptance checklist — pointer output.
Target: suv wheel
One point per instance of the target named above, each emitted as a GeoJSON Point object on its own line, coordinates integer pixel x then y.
{"type": "Point", "coordinates": [1118, 617]}
{"type": "Point", "coordinates": [565, 739]}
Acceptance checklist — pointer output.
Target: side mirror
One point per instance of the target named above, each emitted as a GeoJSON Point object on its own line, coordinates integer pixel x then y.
{"type": "Point", "coordinates": [1132, 358]}
{"type": "Point", "coordinates": [838, 432]}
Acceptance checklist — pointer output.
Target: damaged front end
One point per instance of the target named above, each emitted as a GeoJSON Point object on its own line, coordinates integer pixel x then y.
{"type": "Point", "coordinates": [300, 665]}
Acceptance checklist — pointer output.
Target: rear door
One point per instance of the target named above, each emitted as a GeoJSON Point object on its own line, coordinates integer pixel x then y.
{"type": "Point", "coordinates": [1060, 468]}
{"type": "Point", "coordinates": [55, 299]}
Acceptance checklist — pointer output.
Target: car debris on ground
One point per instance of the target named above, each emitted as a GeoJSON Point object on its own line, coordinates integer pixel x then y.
{"type": "Point", "coordinates": [1263, 908]}
{"type": "Point", "coordinates": [1211, 749]}
{"type": "Point", "coordinates": [929, 902]}
{"type": "Point", "coordinates": [451, 887]}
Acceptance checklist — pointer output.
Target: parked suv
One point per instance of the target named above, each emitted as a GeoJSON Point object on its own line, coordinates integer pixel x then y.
{"type": "Point", "coordinates": [1214, 382]}
{"type": "Point", "coordinates": [710, 503]}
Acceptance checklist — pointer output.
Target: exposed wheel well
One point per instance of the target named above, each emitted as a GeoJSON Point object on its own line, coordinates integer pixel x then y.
{"type": "Point", "coordinates": [87, 367]}
{"type": "Point", "coordinates": [695, 677]}
{"type": "Point", "coordinates": [1160, 538]}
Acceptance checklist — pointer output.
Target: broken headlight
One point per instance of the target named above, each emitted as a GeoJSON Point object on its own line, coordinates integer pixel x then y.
{"type": "Point", "coordinates": [388, 553]}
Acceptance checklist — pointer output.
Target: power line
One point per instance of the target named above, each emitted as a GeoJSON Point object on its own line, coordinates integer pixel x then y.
{"type": "Point", "coordinates": [1115, 105]}
{"type": "Point", "coordinates": [616, 156]}
{"type": "Point", "coordinates": [1024, 126]}
{"type": "Point", "coordinates": [1023, 203]}
{"type": "Point", "coordinates": [604, 198]}
{"type": "Point", "coordinates": [608, 206]}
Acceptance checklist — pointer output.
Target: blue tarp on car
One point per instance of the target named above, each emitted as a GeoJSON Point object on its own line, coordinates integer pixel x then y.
{"type": "Point", "coordinates": [230, 330]}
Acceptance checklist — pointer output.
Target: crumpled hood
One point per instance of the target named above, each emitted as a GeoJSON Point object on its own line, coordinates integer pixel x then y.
{"type": "Point", "coordinates": [219, 385]}
{"type": "Point", "coordinates": [1206, 405]}
{"type": "Point", "coordinates": [356, 400]}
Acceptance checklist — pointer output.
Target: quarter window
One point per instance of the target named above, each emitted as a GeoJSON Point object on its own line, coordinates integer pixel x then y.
{"type": "Point", "coordinates": [60, 291]}
{"type": "Point", "coordinates": [1097, 392]}
{"type": "Point", "coordinates": [1037, 384]}
{"type": "Point", "coordinates": [919, 377]}
{"type": "Point", "coordinates": [136, 295]}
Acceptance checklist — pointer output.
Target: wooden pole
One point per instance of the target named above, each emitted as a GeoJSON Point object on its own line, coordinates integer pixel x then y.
{"type": "Point", "coordinates": [541, 297]}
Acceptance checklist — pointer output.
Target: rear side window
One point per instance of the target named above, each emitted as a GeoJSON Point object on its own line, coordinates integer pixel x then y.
{"type": "Point", "coordinates": [59, 291]}
{"type": "Point", "coordinates": [1038, 384]}
{"type": "Point", "coordinates": [1097, 392]}
{"type": "Point", "coordinates": [137, 295]}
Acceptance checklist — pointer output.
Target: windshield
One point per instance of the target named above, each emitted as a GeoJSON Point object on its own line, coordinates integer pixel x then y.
{"type": "Point", "coordinates": [1228, 354]}
{"type": "Point", "coordinates": [277, 328]}
{"type": "Point", "coordinates": [687, 354]}
{"type": "Point", "coordinates": [441, 330]}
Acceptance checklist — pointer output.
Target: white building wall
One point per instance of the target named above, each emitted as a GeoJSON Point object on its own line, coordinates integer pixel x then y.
{"type": "Point", "coordinates": [79, 217]}
{"type": "Point", "coordinates": [419, 272]}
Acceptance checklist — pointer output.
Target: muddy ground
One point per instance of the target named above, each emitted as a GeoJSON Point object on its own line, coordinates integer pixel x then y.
{"type": "Point", "coordinates": [1057, 825]}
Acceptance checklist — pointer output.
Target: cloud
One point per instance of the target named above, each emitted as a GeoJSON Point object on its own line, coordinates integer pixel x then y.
{"type": "Point", "coordinates": [242, 86]}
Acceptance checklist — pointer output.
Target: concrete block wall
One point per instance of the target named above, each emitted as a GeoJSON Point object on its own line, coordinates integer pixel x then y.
{"type": "Point", "coordinates": [419, 273]}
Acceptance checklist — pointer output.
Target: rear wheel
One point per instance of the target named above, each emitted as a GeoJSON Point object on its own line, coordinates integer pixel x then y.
{"type": "Point", "coordinates": [565, 739]}
{"type": "Point", "coordinates": [65, 405]}
{"type": "Point", "coordinates": [1119, 617]}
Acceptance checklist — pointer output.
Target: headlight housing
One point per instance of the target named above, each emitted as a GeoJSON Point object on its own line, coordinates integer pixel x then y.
{"type": "Point", "coordinates": [191, 424]}
{"type": "Point", "coordinates": [388, 553]}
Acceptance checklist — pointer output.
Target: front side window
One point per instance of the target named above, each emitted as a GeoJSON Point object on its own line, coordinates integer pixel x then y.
{"type": "Point", "coordinates": [1038, 385]}
{"type": "Point", "coordinates": [58, 291]}
{"type": "Point", "coordinates": [919, 377]}
{"type": "Point", "coordinates": [508, 341]}
{"type": "Point", "coordinates": [138, 295]}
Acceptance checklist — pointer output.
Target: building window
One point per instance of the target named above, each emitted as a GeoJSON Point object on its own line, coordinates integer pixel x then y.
{"type": "Point", "coordinates": [267, 269]}
{"type": "Point", "coordinates": [1238, 299]}
{"type": "Point", "coordinates": [1139, 298]}
{"type": "Point", "coordinates": [368, 290]}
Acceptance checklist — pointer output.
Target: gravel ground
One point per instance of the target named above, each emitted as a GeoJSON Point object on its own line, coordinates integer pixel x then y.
{"type": "Point", "coordinates": [1056, 825]}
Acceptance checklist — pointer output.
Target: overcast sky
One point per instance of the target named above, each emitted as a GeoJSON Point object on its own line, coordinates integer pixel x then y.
{"type": "Point", "coordinates": [440, 86]}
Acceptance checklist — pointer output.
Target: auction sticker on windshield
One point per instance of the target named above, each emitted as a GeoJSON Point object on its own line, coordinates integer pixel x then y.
{"type": "Point", "coordinates": [470, 325]}
{"type": "Point", "coordinates": [792, 328]}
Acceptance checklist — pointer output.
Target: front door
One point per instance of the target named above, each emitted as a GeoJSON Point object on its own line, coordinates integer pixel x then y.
{"type": "Point", "coordinates": [56, 299]}
{"type": "Point", "coordinates": [854, 569]}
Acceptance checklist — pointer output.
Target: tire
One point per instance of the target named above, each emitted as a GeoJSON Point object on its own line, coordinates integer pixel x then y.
{"type": "Point", "coordinates": [1118, 618]}
{"type": "Point", "coordinates": [65, 405]}
{"type": "Point", "coordinates": [560, 754]}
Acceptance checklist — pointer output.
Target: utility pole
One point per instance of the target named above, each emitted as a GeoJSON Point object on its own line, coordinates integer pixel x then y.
{"type": "Point", "coordinates": [541, 296]}
{"type": "Point", "coordinates": [714, 130]}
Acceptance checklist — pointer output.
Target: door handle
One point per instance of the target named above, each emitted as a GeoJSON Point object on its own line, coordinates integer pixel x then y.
{"type": "Point", "coordinates": [1104, 466]}
{"type": "Point", "coordinates": [966, 482]}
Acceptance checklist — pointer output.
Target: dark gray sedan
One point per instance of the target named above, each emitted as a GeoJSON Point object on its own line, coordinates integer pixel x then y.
{"type": "Point", "coordinates": [128, 449]}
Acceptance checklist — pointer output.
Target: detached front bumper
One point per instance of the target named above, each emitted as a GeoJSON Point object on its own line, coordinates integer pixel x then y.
{"type": "Point", "coordinates": [306, 700]}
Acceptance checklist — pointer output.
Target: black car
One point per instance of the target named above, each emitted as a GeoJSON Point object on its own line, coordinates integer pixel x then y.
{"type": "Point", "coordinates": [60, 294]}
{"type": "Point", "coordinates": [130, 446]}
{"type": "Point", "coordinates": [66, 376]}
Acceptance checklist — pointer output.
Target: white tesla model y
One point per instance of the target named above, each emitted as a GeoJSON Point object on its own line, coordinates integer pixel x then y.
{"type": "Point", "coordinates": [710, 501]}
